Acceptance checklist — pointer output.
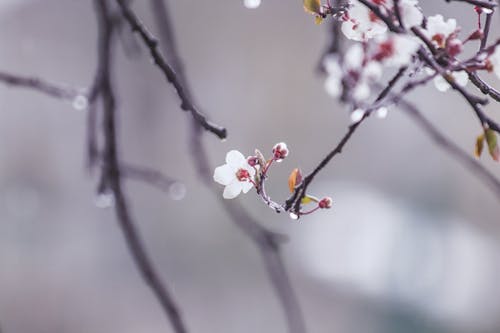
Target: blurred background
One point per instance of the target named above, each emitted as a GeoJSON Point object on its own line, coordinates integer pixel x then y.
{"type": "Point", "coordinates": [410, 245]}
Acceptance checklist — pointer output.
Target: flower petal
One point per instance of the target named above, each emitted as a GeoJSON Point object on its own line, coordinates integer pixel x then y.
{"type": "Point", "coordinates": [235, 159]}
{"type": "Point", "coordinates": [224, 174]}
{"type": "Point", "coordinates": [232, 190]}
{"type": "Point", "coordinates": [246, 186]}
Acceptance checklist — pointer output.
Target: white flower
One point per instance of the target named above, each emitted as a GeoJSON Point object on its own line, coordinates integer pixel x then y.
{"type": "Point", "coordinates": [411, 15]}
{"type": "Point", "coordinates": [362, 24]}
{"type": "Point", "coordinates": [495, 61]}
{"type": "Point", "coordinates": [235, 175]}
{"type": "Point", "coordinates": [438, 30]}
{"type": "Point", "coordinates": [461, 78]}
{"type": "Point", "coordinates": [362, 73]}
{"type": "Point", "coordinates": [333, 82]}
{"type": "Point", "coordinates": [396, 50]}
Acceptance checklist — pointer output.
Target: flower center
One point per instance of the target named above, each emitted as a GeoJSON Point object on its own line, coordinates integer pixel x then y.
{"type": "Point", "coordinates": [242, 175]}
{"type": "Point", "coordinates": [439, 39]}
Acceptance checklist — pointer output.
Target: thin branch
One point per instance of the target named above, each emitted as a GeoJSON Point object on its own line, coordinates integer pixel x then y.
{"type": "Point", "coordinates": [146, 175]}
{"type": "Point", "coordinates": [111, 177]}
{"type": "Point", "coordinates": [268, 242]}
{"type": "Point", "coordinates": [483, 86]}
{"type": "Point", "coordinates": [42, 86]}
{"type": "Point", "coordinates": [451, 148]}
{"type": "Point", "coordinates": [480, 3]}
{"type": "Point", "coordinates": [152, 44]}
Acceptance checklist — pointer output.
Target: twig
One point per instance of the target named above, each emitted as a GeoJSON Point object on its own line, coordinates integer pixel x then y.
{"type": "Point", "coordinates": [480, 3]}
{"type": "Point", "coordinates": [148, 176]}
{"type": "Point", "coordinates": [40, 85]}
{"type": "Point", "coordinates": [111, 177]}
{"type": "Point", "coordinates": [268, 242]}
{"type": "Point", "coordinates": [152, 44]}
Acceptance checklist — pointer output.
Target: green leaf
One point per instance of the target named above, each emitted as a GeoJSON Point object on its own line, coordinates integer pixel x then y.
{"type": "Point", "coordinates": [308, 199]}
{"type": "Point", "coordinates": [491, 139]}
{"type": "Point", "coordinates": [312, 6]}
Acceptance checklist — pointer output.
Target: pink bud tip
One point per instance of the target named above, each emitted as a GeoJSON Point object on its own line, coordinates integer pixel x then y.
{"type": "Point", "coordinates": [325, 203]}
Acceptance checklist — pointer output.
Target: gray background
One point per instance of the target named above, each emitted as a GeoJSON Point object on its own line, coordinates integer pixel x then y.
{"type": "Point", "coordinates": [409, 246]}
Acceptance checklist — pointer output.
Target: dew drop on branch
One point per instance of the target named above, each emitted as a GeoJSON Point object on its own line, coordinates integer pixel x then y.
{"type": "Point", "coordinates": [177, 191]}
{"type": "Point", "coordinates": [294, 216]}
{"type": "Point", "coordinates": [80, 102]}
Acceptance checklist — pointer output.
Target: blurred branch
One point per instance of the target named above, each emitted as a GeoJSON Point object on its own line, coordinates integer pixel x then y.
{"type": "Point", "coordinates": [451, 148]}
{"type": "Point", "coordinates": [267, 241]}
{"type": "Point", "coordinates": [148, 176]}
{"type": "Point", "coordinates": [152, 44]}
{"type": "Point", "coordinates": [111, 176]}
{"type": "Point", "coordinates": [40, 85]}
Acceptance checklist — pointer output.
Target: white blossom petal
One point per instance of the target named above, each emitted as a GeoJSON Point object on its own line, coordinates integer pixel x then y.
{"type": "Point", "coordinates": [246, 186]}
{"type": "Point", "coordinates": [232, 190]}
{"type": "Point", "coordinates": [411, 15]}
{"type": "Point", "coordinates": [224, 174]}
{"type": "Point", "coordinates": [333, 86]}
{"type": "Point", "coordinates": [461, 78]}
{"type": "Point", "coordinates": [235, 159]}
{"type": "Point", "coordinates": [441, 84]}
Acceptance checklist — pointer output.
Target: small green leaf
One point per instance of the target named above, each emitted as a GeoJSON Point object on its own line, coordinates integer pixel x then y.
{"type": "Point", "coordinates": [318, 19]}
{"type": "Point", "coordinates": [491, 139]}
{"type": "Point", "coordinates": [312, 6]}
{"type": "Point", "coordinates": [479, 145]}
{"type": "Point", "coordinates": [308, 199]}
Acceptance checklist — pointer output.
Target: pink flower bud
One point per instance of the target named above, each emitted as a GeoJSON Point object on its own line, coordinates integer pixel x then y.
{"type": "Point", "coordinates": [280, 151]}
{"type": "Point", "coordinates": [325, 203]}
{"type": "Point", "coordinates": [454, 47]}
{"type": "Point", "coordinates": [478, 34]}
{"type": "Point", "coordinates": [253, 160]}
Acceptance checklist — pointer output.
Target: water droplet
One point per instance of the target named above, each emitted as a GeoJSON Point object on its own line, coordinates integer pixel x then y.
{"type": "Point", "coordinates": [177, 191]}
{"type": "Point", "coordinates": [80, 102]}
{"type": "Point", "coordinates": [105, 200]}
{"type": "Point", "coordinates": [223, 140]}
{"type": "Point", "coordinates": [357, 115]}
{"type": "Point", "coordinates": [252, 4]}
{"type": "Point", "coordinates": [294, 216]}
{"type": "Point", "coordinates": [382, 112]}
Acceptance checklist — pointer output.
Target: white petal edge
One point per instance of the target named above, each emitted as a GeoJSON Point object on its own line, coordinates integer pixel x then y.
{"type": "Point", "coordinates": [224, 174]}
{"type": "Point", "coordinates": [235, 159]}
{"type": "Point", "coordinates": [232, 190]}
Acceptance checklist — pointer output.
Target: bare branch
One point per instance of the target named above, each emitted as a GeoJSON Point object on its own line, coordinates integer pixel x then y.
{"type": "Point", "coordinates": [152, 44]}
{"type": "Point", "coordinates": [45, 87]}
{"type": "Point", "coordinates": [268, 242]}
{"type": "Point", "coordinates": [148, 176]}
{"type": "Point", "coordinates": [111, 177]}
{"type": "Point", "coordinates": [480, 3]}
{"type": "Point", "coordinates": [451, 148]}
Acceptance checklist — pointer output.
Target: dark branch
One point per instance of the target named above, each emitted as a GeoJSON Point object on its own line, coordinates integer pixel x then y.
{"type": "Point", "coordinates": [480, 3]}
{"type": "Point", "coordinates": [152, 44]}
{"type": "Point", "coordinates": [40, 85]}
{"type": "Point", "coordinates": [111, 177]}
{"type": "Point", "coordinates": [268, 242]}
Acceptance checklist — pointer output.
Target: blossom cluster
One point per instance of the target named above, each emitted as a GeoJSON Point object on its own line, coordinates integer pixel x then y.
{"type": "Point", "coordinates": [352, 75]}
{"type": "Point", "coordinates": [241, 174]}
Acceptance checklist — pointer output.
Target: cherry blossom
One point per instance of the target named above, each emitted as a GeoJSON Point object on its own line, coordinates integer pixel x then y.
{"type": "Point", "coordinates": [396, 50]}
{"type": "Point", "coordinates": [494, 60]}
{"type": "Point", "coordinates": [411, 15]}
{"type": "Point", "coordinates": [460, 77]}
{"type": "Point", "coordinates": [361, 24]}
{"type": "Point", "coordinates": [236, 175]}
{"type": "Point", "coordinates": [439, 31]}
